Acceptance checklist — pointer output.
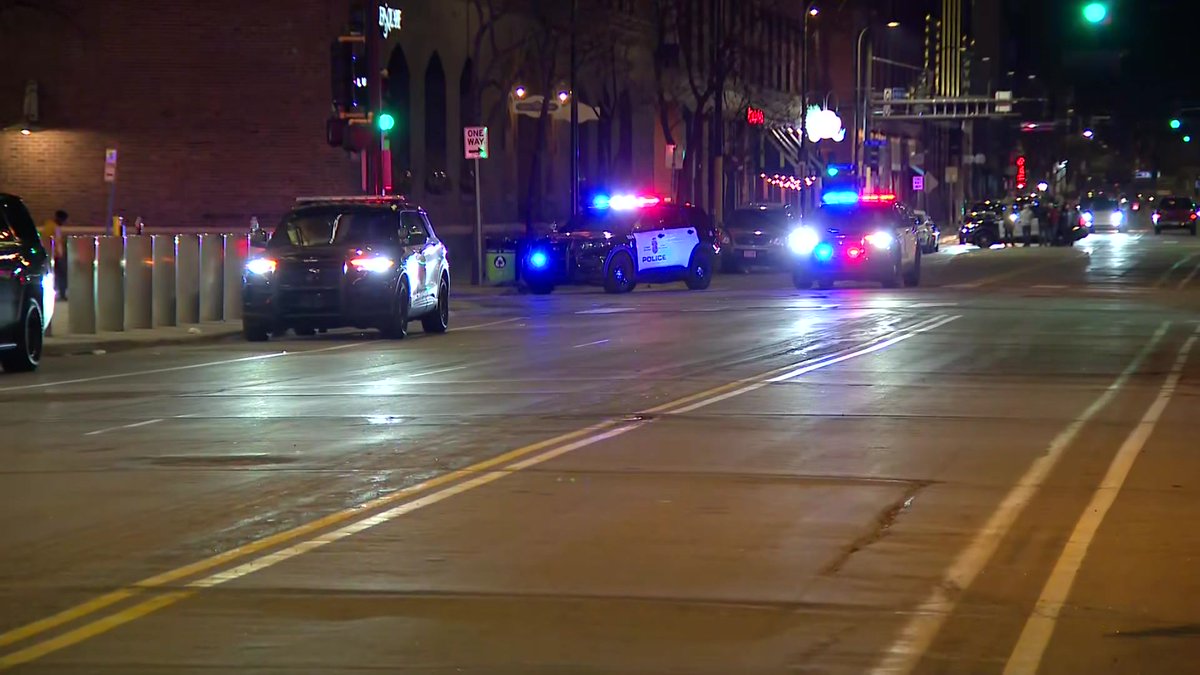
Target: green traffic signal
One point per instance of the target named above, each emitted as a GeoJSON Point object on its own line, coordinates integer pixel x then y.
{"type": "Point", "coordinates": [1175, 123]}
{"type": "Point", "coordinates": [1095, 12]}
{"type": "Point", "coordinates": [386, 122]}
{"type": "Point", "coordinates": [1187, 139]}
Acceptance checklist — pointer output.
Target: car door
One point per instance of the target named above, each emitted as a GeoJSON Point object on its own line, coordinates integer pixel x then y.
{"type": "Point", "coordinates": [650, 241]}
{"type": "Point", "coordinates": [415, 238]}
{"type": "Point", "coordinates": [435, 258]}
{"type": "Point", "coordinates": [682, 237]}
{"type": "Point", "coordinates": [11, 258]}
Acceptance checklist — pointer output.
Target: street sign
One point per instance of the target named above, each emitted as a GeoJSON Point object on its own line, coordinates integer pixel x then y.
{"type": "Point", "coordinates": [918, 183]}
{"type": "Point", "coordinates": [931, 182]}
{"type": "Point", "coordinates": [110, 165]}
{"type": "Point", "coordinates": [1004, 101]}
{"type": "Point", "coordinates": [475, 142]}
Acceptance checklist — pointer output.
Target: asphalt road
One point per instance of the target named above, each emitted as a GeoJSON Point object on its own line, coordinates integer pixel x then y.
{"type": "Point", "coordinates": [996, 472]}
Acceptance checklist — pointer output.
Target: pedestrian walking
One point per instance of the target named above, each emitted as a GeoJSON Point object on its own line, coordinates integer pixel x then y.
{"type": "Point", "coordinates": [1028, 223]}
{"type": "Point", "coordinates": [51, 233]}
{"type": "Point", "coordinates": [1009, 225]}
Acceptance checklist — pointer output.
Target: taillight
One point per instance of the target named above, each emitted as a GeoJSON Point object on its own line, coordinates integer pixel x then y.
{"type": "Point", "coordinates": [372, 264]}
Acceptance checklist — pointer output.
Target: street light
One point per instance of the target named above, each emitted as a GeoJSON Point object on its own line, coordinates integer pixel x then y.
{"type": "Point", "coordinates": [862, 97]}
{"type": "Point", "coordinates": [1089, 134]}
{"type": "Point", "coordinates": [893, 24]}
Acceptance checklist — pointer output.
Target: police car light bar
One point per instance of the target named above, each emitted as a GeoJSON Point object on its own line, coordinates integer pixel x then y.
{"type": "Point", "coordinates": [878, 198]}
{"type": "Point", "coordinates": [836, 197]}
{"type": "Point", "coordinates": [623, 202]}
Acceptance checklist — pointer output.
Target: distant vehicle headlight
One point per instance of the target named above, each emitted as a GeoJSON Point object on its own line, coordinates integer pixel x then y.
{"type": "Point", "coordinates": [1118, 217]}
{"type": "Point", "coordinates": [803, 240]}
{"type": "Point", "coordinates": [881, 240]}
{"type": "Point", "coordinates": [1014, 217]}
{"type": "Point", "coordinates": [1088, 217]}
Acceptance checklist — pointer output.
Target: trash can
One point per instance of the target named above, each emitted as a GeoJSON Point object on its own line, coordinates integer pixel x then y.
{"type": "Point", "coordinates": [501, 266]}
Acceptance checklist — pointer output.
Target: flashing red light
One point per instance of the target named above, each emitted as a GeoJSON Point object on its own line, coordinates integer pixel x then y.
{"type": "Point", "coordinates": [877, 199]}
{"type": "Point", "coordinates": [755, 117]}
{"type": "Point", "coordinates": [854, 253]}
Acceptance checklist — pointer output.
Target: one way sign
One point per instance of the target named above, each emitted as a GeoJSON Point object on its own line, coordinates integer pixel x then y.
{"type": "Point", "coordinates": [475, 142]}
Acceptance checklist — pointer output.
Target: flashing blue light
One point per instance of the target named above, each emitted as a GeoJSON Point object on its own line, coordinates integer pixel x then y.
{"type": "Point", "coordinates": [823, 252]}
{"type": "Point", "coordinates": [832, 171]}
{"type": "Point", "coordinates": [840, 197]}
{"type": "Point", "coordinates": [538, 259]}
{"type": "Point", "coordinates": [600, 201]}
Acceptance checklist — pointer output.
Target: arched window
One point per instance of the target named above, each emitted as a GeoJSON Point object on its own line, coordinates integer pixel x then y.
{"type": "Point", "coordinates": [468, 117]}
{"type": "Point", "coordinates": [397, 97]}
{"type": "Point", "coordinates": [435, 126]}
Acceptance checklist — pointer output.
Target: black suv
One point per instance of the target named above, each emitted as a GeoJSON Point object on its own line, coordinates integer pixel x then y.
{"type": "Point", "coordinates": [26, 287]}
{"type": "Point", "coordinates": [758, 236]}
{"type": "Point", "coordinates": [366, 262]}
{"type": "Point", "coordinates": [623, 240]}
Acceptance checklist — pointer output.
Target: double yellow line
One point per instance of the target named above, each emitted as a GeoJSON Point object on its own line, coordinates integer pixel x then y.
{"type": "Point", "coordinates": [347, 522]}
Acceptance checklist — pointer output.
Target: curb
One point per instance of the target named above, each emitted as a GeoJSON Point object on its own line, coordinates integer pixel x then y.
{"type": "Point", "coordinates": [88, 347]}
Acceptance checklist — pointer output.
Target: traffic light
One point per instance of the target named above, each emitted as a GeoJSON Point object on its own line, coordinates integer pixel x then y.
{"type": "Point", "coordinates": [872, 152]}
{"type": "Point", "coordinates": [1095, 12]}
{"type": "Point", "coordinates": [386, 122]}
{"type": "Point", "coordinates": [1187, 139]}
{"type": "Point", "coordinates": [1175, 124]}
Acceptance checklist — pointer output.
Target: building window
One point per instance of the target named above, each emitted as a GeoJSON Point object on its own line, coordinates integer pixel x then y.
{"type": "Point", "coordinates": [436, 180]}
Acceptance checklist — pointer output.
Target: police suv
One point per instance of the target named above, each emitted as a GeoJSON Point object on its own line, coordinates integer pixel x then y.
{"type": "Point", "coordinates": [621, 240]}
{"type": "Point", "coordinates": [856, 237]}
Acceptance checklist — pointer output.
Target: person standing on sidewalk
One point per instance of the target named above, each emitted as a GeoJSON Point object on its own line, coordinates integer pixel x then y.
{"type": "Point", "coordinates": [51, 233]}
{"type": "Point", "coordinates": [1052, 232]}
{"type": "Point", "coordinates": [1028, 223]}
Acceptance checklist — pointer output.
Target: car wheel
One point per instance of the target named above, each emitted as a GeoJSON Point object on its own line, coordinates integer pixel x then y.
{"type": "Point", "coordinates": [255, 331]}
{"type": "Point", "coordinates": [896, 277]}
{"type": "Point", "coordinates": [25, 356]}
{"type": "Point", "coordinates": [619, 278]}
{"type": "Point", "coordinates": [699, 272]}
{"type": "Point", "coordinates": [439, 320]}
{"type": "Point", "coordinates": [802, 280]}
{"type": "Point", "coordinates": [396, 327]}
{"type": "Point", "coordinates": [984, 239]}
{"type": "Point", "coordinates": [912, 277]}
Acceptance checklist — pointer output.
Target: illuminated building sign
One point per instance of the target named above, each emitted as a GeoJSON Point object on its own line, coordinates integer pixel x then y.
{"type": "Point", "coordinates": [389, 19]}
{"type": "Point", "coordinates": [824, 125]}
{"type": "Point", "coordinates": [1022, 176]}
{"type": "Point", "coordinates": [755, 117]}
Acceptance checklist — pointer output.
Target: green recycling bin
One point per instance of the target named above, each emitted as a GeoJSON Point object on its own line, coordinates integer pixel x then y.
{"type": "Point", "coordinates": [501, 266]}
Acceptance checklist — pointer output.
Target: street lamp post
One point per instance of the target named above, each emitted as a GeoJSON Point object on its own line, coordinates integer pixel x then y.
{"type": "Point", "coordinates": [810, 10]}
{"type": "Point", "coordinates": [860, 121]}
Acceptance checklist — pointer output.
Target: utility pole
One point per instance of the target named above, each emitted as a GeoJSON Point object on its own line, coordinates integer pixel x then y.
{"type": "Point", "coordinates": [575, 200]}
{"type": "Point", "coordinates": [716, 178]}
{"type": "Point", "coordinates": [373, 153]}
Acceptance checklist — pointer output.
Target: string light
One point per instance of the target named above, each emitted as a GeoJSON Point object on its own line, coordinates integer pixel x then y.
{"type": "Point", "coordinates": [788, 182]}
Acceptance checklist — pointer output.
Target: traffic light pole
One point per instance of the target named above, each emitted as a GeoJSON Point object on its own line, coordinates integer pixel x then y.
{"type": "Point", "coordinates": [375, 149]}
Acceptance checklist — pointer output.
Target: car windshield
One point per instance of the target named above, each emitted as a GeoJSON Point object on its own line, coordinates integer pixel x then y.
{"type": "Point", "coordinates": [758, 218]}
{"type": "Point", "coordinates": [857, 219]}
{"type": "Point", "coordinates": [326, 226]}
{"type": "Point", "coordinates": [1103, 204]}
{"type": "Point", "coordinates": [617, 221]}
{"type": "Point", "coordinates": [1178, 203]}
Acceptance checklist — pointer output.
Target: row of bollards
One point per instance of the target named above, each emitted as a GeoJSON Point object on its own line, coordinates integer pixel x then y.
{"type": "Point", "coordinates": [118, 283]}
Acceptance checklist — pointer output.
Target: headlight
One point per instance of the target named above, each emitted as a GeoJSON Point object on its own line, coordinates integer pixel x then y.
{"type": "Point", "coordinates": [375, 263]}
{"type": "Point", "coordinates": [260, 266]}
{"type": "Point", "coordinates": [803, 240]}
{"type": "Point", "coordinates": [1014, 217]}
{"type": "Point", "coordinates": [881, 240]}
{"type": "Point", "coordinates": [1088, 217]}
{"type": "Point", "coordinates": [1118, 217]}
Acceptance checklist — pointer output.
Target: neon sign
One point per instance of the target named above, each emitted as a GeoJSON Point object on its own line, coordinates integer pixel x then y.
{"type": "Point", "coordinates": [1022, 176]}
{"type": "Point", "coordinates": [389, 19]}
{"type": "Point", "coordinates": [755, 117]}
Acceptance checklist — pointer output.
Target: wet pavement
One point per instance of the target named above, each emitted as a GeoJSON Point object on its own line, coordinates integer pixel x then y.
{"type": "Point", "coordinates": [995, 472]}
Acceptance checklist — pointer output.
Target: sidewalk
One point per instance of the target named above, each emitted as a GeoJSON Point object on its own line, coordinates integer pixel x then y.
{"type": "Point", "coordinates": [60, 343]}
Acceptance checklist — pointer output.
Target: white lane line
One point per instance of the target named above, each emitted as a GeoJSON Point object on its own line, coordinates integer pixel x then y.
{"type": "Point", "coordinates": [1027, 655]}
{"type": "Point", "coordinates": [439, 371]}
{"type": "Point", "coordinates": [135, 425]}
{"type": "Point", "coordinates": [1051, 286]}
{"type": "Point", "coordinates": [1189, 278]}
{"type": "Point", "coordinates": [606, 310]}
{"type": "Point", "coordinates": [932, 305]}
{"type": "Point", "coordinates": [905, 652]}
{"type": "Point", "coordinates": [1165, 277]}
{"type": "Point", "coordinates": [175, 369]}
{"type": "Point", "coordinates": [489, 323]}
{"type": "Point", "coordinates": [589, 344]}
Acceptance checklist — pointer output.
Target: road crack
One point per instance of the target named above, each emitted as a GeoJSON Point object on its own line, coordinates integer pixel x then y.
{"type": "Point", "coordinates": [883, 523]}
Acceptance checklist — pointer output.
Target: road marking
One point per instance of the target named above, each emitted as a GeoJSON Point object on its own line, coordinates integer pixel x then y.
{"type": "Point", "coordinates": [489, 323]}
{"type": "Point", "coordinates": [475, 475]}
{"type": "Point", "coordinates": [440, 370]}
{"type": "Point", "coordinates": [932, 305]}
{"type": "Point", "coordinates": [1051, 286]}
{"type": "Point", "coordinates": [606, 310]}
{"type": "Point", "coordinates": [1189, 278]}
{"type": "Point", "coordinates": [905, 652]}
{"type": "Point", "coordinates": [1027, 655]}
{"type": "Point", "coordinates": [589, 344]}
{"type": "Point", "coordinates": [1166, 276]}
{"type": "Point", "coordinates": [135, 425]}
{"type": "Point", "coordinates": [175, 369]}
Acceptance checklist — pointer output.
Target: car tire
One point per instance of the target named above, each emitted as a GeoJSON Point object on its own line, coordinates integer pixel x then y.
{"type": "Point", "coordinates": [29, 341]}
{"type": "Point", "coordinates": [896, 277]}
{"type": "Point", "coordinates": [699, 272]}
{"type": "Point", "coordinates": [255, 331]}
{"type": "Point", "coordinates": [396, 327]}
{"type": "Point", "coordinates": [801, 280]}
{"type": "Point", "coordinates": [438, 321]}
{"type": "Point", "coordinates": [619, 277]}
{"type": "Point", "coordinates": [912, 278]}
{"type": "Point", "coordinates": [984, 239]}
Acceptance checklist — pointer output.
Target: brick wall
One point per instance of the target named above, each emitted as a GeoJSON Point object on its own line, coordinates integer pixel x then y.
{"type": "Point", "coordinates": [217, 108]}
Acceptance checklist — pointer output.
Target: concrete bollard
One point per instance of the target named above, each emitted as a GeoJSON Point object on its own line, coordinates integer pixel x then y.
{"type": "Point", "coordinates": [81, 285]}
{"type": "Point", "coordinates": [162, 288]}
{"type": "Point", "coordinates": [212, 276]}
{"type": "Point", "coordinates": [187, 278]}
{"type": "Point", "coordinates": [139, 280]}
{"type": "Point", "coordinates": [110, 284]}
{"type": "Point", "coordinates": [237, 248]}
